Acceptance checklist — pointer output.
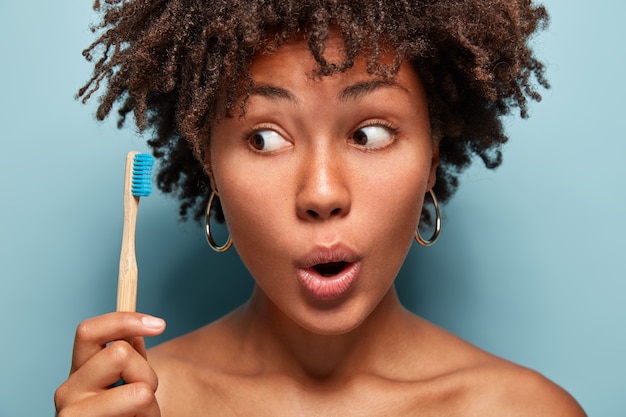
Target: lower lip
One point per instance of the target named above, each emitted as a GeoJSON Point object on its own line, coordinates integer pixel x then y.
{"type": "Point", "coordinates": [329, 288]}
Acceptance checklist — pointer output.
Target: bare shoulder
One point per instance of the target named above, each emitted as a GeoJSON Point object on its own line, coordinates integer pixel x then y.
{"type": "Point", "coordinates": [202, 348]}
{"type": "Point", "coordinates": [177, 376]}
{"type": "Point", "coordinates": [477, 383]}
{"type": "Point", "coordinates": [501, 388]}
{"type": "Point", "coordinates": [188, 368]}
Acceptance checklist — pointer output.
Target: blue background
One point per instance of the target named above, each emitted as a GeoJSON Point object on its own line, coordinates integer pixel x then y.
{"type": "Point", "coordinates": [530, 265]}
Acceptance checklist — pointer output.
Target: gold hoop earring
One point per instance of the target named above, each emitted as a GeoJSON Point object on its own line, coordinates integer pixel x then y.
{"type": "Point", "coordinates": [207, 229]}
{"type": "Point", "coordinates": [435, 235]}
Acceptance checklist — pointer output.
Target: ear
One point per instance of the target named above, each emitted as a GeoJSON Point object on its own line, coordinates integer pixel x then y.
{"type": "Point", "coordinates": [434, 163]}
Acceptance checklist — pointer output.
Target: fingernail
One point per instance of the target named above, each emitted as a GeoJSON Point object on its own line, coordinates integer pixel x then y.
{"type": "Point", "coordinates": [152, 322]}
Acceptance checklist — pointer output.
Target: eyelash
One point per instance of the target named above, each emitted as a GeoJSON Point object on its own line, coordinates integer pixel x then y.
{"type": "Point", "coordinates": [250, 132]}
{"type": "Point", "coordinates": [383, 123]}
{"type": "Point", "coordinates": [393, 129]}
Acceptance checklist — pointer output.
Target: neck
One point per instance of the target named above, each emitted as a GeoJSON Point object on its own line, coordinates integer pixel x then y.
{"type": "Point", "coordinates": [282, 345]}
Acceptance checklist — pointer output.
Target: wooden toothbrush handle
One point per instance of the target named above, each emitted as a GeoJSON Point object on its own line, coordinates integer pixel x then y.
{"type": "Point", "coordinates": [127, 279]}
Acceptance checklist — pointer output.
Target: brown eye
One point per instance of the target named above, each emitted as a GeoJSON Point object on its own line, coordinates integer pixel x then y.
{"type": "Point", "coordinates": [360, 137]}
{"type": "Point", "coordinates": [374, 136]}
{"type": "Point", "coordinates": [257, 141]}
{"type": "Point", "coordinates": [267, 140]}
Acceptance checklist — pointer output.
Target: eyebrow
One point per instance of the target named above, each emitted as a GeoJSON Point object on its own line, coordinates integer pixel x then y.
{"type": "Point", "coordinates": [272, 92]}
{"type": "Point", "coordinates": [361, 89]}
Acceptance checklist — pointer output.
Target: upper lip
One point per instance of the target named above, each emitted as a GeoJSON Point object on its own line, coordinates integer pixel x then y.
{"type": "Point", "coordinates": [327, 254]}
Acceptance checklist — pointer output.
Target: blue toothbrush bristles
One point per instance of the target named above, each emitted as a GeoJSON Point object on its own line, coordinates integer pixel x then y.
{"type": "Point", "coordinates": [141, 184]}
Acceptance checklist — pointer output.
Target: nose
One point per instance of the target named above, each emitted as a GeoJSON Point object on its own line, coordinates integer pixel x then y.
{"type": "Point", "coordinates": [323, 190]}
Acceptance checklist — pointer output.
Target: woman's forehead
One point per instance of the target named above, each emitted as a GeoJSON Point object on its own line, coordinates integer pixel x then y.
{"type": "Point", "coordinates": [296, 54]}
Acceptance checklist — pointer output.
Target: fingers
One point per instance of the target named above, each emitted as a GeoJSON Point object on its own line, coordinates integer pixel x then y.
{"type": "Point", "coordinates": [91, 381]}
{"type": "Point", "coordinates": [101, 357]}
{"type": "Point", "coordinates": [93, 334]}
{"type": "Point", "coordinates": [105, 368]}
{"type": "Point", "coordinates": [131, 400]}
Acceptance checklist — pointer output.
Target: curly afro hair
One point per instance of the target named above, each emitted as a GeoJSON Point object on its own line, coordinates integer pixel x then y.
{"type": "Point", "coordinates": [179, 65]}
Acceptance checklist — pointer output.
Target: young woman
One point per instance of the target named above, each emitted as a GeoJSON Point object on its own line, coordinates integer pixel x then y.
{"type": "Point", "coordinates": [319, 126]}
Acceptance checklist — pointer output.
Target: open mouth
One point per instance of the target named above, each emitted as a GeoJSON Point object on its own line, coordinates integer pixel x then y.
{"type": "Point", "coordinates": [330, 269]}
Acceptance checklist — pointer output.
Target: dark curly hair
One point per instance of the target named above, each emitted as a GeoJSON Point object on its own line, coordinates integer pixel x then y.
{"type": "Point", "coordinates": [179, 65]}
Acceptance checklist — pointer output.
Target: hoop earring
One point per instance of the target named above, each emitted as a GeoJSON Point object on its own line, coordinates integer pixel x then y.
{"type": "Point", "coordinates": [207, 229]}
{"type": "Point", "coordinates": [435, 235]}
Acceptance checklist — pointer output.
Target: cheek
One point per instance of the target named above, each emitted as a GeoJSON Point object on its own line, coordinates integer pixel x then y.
{"type": "Point", "coordinates": [254, 207]}
{"type": "Point", "coordinates": [396, 215]}
{"type": "Point", "coordinates": [396, 191]}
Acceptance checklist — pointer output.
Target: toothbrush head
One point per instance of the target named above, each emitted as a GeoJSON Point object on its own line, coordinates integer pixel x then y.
{"type": "Point", "coordinates": [141, 185]}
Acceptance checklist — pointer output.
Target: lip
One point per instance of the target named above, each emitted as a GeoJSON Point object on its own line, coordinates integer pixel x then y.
{"type": "Point", "coordinates": [327, 288]}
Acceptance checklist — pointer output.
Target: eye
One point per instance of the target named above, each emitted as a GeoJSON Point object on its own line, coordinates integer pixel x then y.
{"type": "Point", "coordinates": [267, 140]}
{"type": "Point", "coordinates": [374, 136]}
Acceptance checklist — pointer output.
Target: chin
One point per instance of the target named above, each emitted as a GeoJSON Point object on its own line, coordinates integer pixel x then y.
{"type": "Point", "coordinates": [335, 321]}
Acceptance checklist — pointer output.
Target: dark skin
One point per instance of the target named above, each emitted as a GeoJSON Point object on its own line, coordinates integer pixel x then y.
{"type": "Point", "coordinates": [431, 373]}
{"type": "Point", "coordinates": [294, 349]}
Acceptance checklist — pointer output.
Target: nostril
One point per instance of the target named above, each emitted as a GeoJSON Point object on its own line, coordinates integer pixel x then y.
{"type": "Point", "coordinates": [312, 213]}
{"type": "Point", "coordinates": [335, 211]}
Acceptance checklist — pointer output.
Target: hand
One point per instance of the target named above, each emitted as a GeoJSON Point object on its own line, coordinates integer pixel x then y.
{"type": "Point", "coordinates": [101, 357]}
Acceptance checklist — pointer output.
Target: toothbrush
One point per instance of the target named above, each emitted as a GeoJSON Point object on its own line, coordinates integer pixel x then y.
{"type": "Point", "coordinates": [137, 183]}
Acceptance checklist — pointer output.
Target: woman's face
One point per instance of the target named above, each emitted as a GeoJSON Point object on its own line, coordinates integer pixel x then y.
{"type": "Point", "coordinates": [322, 183]}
